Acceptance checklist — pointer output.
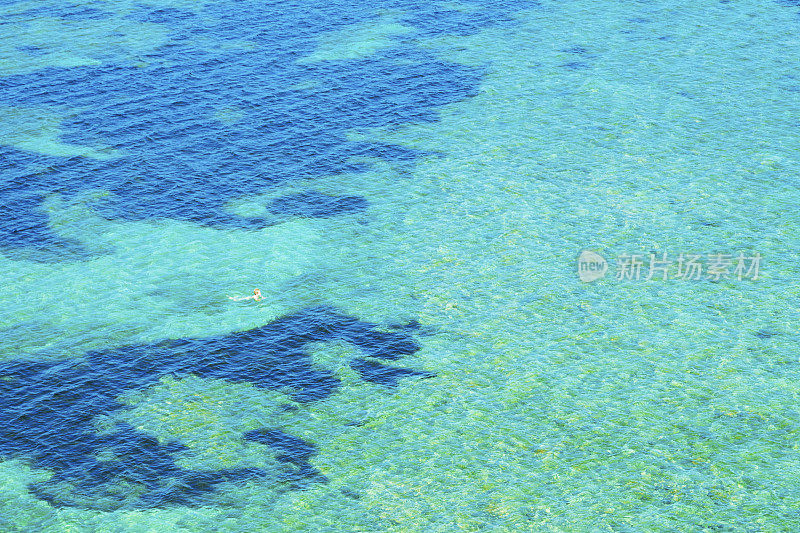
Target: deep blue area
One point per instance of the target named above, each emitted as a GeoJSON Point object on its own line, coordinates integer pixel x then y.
{"type": "Point", "coordinates": [382, 374]}
{"type": "Point", "coordinates": [181, 163]}
{"type": "Point", "coordinates": [316, 205]}
{"type": "Point", "coordinates": [290, 450]}
{"type": "Point", "coordinates": [48, 409]}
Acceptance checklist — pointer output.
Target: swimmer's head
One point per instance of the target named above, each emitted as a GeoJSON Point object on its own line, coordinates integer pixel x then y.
{"type": "Point", "coordinates": [257, 293]}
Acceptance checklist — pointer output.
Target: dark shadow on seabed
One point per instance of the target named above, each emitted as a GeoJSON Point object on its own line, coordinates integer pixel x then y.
{"type": "Point", "coordinates": [48, 409]}
{"type": "Point", "coordinates": [177, 161]}
{"type": "Point", "coordinates": [180, 162]}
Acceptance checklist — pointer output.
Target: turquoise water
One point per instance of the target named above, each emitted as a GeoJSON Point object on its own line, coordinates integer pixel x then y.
{"type": "Point", "coordinates": [410, 185]}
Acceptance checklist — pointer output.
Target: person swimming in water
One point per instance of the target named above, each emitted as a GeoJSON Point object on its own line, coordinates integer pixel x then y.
{"type": "Point", "coordinates": [256, 296]}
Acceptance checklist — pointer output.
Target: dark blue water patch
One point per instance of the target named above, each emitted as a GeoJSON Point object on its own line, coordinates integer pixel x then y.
{"type": "Point", "coordinates": [180, 161]}
{"type": "Point", "coordinates": [353, 495]}
{"type": "Point", "coordinates": [435, 19]}
{"type": "Point", "coordinates": [765, 334]}
{"type": "Point", "coordinates": [575, 65]}
{"type": "Point", "coordinates": [31, 237]}
{"type": "Point", "coordinates": [584, 55]}
{"type": "Point", "coordinates": [28, 13]}
{"type": "Point", "coordinates": [290, 449]}
{"type": "Point", "coordinates": [383, 374]}
{"type": "Point", "coordinates": [313, 204]}
{"type": "Point", "coordinates": [48, 410]}
{"type": "Point", "coordinates": [31, 50]}
{"type": "Point", "coordinates": [66, 11]}
{"type": "Point", "coordinates": [164, 15]}
{"type": "Point", "coordinates": [577, 49]}
{"type": "Point", "coordinates": [412, 325]}
{"type": "Point", "coordinates": [79, 12]}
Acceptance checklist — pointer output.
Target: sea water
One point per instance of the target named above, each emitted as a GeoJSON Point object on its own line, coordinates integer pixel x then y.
{"type": "Point", "coordinates": [411, 185]}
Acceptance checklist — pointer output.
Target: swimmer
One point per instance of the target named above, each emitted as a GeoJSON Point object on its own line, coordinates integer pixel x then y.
{"type": "Point", "coordinates": [256, 296]}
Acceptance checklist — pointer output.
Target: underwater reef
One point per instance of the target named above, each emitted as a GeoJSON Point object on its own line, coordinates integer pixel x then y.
{"type": "Point", "coordinates": [48, 409]}
{"type": "Point", "coordinates": [214, 113]}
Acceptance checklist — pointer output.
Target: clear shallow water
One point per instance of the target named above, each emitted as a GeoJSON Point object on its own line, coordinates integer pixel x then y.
{"type": "Point", "coordinates": [172, 154]}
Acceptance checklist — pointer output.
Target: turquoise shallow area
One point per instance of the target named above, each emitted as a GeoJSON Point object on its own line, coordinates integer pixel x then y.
{"type": "Point", "coordinates": [557, 405]}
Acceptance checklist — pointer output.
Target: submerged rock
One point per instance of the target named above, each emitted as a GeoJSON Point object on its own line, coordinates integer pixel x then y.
{"type": "Point", "coordinates": [48, 409]}
{"type": "Point", "coordinates": [313, 204]}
